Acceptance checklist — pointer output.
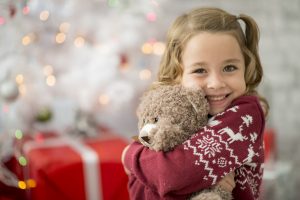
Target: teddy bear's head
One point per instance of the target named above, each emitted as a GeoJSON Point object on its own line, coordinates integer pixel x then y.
{"type": "Point", "coordinates": [169, 115]}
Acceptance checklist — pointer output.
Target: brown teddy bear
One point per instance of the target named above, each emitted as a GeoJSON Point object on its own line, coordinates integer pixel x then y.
{"type": "Point", "coordinates": [169, 115]}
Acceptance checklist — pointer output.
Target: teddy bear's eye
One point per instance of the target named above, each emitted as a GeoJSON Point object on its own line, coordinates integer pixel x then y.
{"type": "Point", "coordinates": [155, 119]}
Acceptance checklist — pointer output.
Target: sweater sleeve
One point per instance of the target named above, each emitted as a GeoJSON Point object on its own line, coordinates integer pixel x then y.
{"type": "Point", "coordinates": [229, 140]}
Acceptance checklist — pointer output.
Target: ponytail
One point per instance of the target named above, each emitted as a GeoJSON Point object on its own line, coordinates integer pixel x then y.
{"type": "Point", "coordinates": [254, 70]}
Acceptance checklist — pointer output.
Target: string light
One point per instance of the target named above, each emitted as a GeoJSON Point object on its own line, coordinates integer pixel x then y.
{"type": "Point", "coordinates": [147, 48]}
{"type": "Point", "coordinates": [145, 74]}
{"type": "Point", "coordinates": [50, 80]}
{"type": "Point", "coordinates": [60, 38]}
{"type": "Point", "coordinates": [44, 15]}
{"type": "Point", "coordinates": [18, 134]}
{"type": "Point", "coordinates": [79, 42]}
{"type": "Point", "coordinates": [151, 16]}
{"type": "Point", "coordinates": [26, 10]}
{"type": "Point", "coordinates": [22, 161]}
{"type": "Point", "coordinates": [22, 185]}
{"type": "Point", "coordinates": [153, 47]}
{"type": "Point", "coordinates": [2, 20]}
{"type": "Point", "coordinates": [31, 183]}
{"type": "Point", "coordinates": [26, 40]}
{"type": "Point", "coordinates": [19, 79]}
{"type": "Point", "coordinates": [104, 99]}
{"type": "Point", "coordinates": [158, 48]}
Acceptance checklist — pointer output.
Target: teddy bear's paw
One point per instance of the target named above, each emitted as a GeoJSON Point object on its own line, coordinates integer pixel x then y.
{"type": "Point", "coordinates": [207, 196]}
{"type": "Point", "coordinates": [225, 195]}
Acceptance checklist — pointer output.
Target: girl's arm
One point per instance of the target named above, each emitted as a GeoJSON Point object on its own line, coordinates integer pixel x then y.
{"type": "Point", "coordinates": [231, 139]}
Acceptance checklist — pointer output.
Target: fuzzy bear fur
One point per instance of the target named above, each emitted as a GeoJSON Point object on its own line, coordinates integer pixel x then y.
{"type": "Point", "coordinates": [215, 193]}
{"type": "Point", "coordinates": [169, 115]}
{"type": "Point", "coordinates": [179, 112]}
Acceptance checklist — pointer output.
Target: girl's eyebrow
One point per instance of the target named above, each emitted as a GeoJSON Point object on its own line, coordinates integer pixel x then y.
{"type": "Point", "coordinates": [232, 60]}
{"type": "Point", "coordinates": [203, 64]}
{"type": "Point", "coordinates": [197, 64]}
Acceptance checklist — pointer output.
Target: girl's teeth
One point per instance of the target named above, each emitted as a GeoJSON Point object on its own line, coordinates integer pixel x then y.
{"type": "Point", "coordinates": [216, 98]}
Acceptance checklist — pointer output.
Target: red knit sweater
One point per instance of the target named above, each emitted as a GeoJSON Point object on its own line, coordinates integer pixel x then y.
{"type": "Point", "coordinates": [232, 140]}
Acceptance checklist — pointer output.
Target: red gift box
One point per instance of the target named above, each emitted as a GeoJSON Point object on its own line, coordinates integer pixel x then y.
{"type": "Point", "coordinates": [64, 168]}
{"type": "Point", "coordinates": [270, 145]}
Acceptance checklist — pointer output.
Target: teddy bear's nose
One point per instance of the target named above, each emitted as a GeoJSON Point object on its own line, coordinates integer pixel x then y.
{"type": "Point", "coordinates": [143, 136]}
{"type": "Point", "coordinates": [145, 139]}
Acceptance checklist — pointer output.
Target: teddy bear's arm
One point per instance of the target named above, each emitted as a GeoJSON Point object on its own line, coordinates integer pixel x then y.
{"type": "Point", "coordinates": [216, 193]}
{"type": "Point", "coordinates": [193, 166]}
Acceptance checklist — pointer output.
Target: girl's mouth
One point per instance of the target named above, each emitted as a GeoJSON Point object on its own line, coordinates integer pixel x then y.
{"type": "Point", "coordinates": [218, 103]}
{"type": "Point", "coordinates": [216, 98]}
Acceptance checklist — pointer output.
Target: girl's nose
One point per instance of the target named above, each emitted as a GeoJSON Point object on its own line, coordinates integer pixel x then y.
{"type": "Point", "coordinates": [215, 81]}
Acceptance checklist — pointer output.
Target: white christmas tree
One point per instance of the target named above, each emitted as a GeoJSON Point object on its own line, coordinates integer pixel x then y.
{"type": "Point", "coordinates": [72, 65]}
{"type": "Point", "coordinates": [67, 56]}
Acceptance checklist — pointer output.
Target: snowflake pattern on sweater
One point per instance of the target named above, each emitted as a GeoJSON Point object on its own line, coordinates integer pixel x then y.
{"type": "Point", "coordinates": [214, 151]}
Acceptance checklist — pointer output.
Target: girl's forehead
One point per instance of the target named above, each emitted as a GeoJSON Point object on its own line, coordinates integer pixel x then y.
{"type": "Point", "coordinates": [211, 48]}
{"type": "Point", "coordinates": [204, 37]}
{"type": "Point", "coordinates": [207, 42]}
{"type": "Point", "coordinates": [213, 34]}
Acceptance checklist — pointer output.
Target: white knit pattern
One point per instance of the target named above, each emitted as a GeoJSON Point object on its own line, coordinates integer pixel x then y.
{"type": "Point", "coordinates": [213, 151]}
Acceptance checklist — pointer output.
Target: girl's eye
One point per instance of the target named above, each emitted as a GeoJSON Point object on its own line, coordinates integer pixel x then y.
{"type": "Point", "coordinates": [230, 68]}
{"type": "Point", "coordinates": [200, 71]}
{"type": "Point", "coordinates": [155, 119]}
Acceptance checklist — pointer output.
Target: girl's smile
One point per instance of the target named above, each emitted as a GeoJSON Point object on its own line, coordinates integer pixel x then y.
{"type": "Point", "coordinates": [215, 63]}
{"type": "Point", "coordinates": [218, 102]}
{"type": "Point", "coordinates": [216, 99]}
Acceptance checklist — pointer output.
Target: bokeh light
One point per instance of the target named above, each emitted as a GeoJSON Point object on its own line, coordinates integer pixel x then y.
{"type": "Point", "coordinates": [44, 15]}
{"type": "Point", "coordinates": [145, 74]}
{"type": "Point", "coordinates": [60, 38]}
{"type": "Point", "coordinates": [104, 99]}
{"type": "Point", "coordinates": [18, 134]}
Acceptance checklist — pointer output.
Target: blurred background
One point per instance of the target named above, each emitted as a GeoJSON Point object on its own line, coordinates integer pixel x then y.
{"type": "Point", "coordinates": [70, 65]}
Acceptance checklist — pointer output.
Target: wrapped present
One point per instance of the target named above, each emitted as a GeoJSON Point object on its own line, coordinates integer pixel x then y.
{"type": "Point", "coordinates": [62, 168]}
{"type": "Point", "coordinates": [270, 146]}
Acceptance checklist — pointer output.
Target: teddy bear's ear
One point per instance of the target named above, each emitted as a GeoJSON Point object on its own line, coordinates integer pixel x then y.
{"type": "Point", "coordinates": [140, 108]}
{"type": "Point", "coordinates": [197, 98]}
{"type": "Point", "coordinates": [135, 138]}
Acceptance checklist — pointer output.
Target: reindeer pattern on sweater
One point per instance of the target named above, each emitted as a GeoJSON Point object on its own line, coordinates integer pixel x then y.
{"type": "Point", "coordinates": [210, 154]}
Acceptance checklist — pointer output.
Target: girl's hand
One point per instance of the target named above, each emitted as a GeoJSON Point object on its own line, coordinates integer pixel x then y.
{"type": "Point", "coordinates": [227, 183]}
{"type": "Point", "coordinates": [123, 158]}
{"type": "Point", "coordinates": [265, 107]}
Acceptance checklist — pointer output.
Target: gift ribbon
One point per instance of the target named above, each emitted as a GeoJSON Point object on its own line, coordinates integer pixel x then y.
{"type": "Point", "coordinates": [89, 157]}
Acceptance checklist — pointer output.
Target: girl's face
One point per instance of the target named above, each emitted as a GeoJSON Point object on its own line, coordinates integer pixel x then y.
{"type": "Point", "coordinates": [215, 63]}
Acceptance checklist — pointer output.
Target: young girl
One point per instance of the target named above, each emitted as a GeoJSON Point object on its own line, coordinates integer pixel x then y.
{"type": "Point", "coordinates": [208, 49]}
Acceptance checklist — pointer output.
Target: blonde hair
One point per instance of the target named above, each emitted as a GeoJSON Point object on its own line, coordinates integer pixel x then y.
{"type": "Point", "coordinates": [212, 20]}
